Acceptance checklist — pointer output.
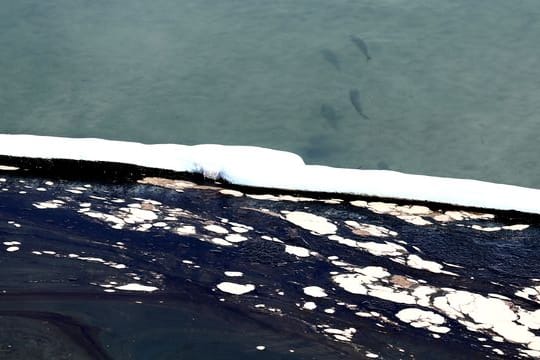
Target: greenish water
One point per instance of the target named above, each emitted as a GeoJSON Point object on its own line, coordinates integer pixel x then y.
{"type": "Point", "coordinates": [451, 88]}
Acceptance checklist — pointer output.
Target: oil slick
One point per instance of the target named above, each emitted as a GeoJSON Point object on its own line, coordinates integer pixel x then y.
{"type": "Point", "coordinates": [361, 45]}
{"type": "Point", "coordinates": [354, 96]}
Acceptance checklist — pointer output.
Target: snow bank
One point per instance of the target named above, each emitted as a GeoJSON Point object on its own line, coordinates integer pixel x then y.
{"type": "Point", "coordinates": [261, 167]}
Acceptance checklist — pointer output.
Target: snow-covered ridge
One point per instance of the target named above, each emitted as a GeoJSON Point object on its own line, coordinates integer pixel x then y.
{"type": "Point", "coordinates": [261, 167]}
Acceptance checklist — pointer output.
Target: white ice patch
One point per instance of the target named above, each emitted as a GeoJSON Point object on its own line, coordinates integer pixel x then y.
{"type": "Point", "coordinates": [531, 293]}
{"type": "Point", "coordinates": [342, 335]}
{"type": "Point", "coordinates": [315, 223]}
{"type": "Point", "coordinates": [220, 241]}
{"type": "Point", "coordinates": [11, 243]}
{"type": "Point", "coordinates": [423, 319]}
{"type": "Point", "coordinates": [516, 227]}
{"type": "Point", "coordinates": [417, 262]}
{"type": "Point", "coordinates": [486, 228]}
{"type": "Point", "coordinates": [315, 291]}
{"type": "Point", "coordinates": [231, 192]}
{"type": "Point", "coordinates": [234, 288]}
{"type": "Point", "coordinates": [216, 229]}
{"type": "Point", "coordinates": [297, 250]}
{"type": "Point", "coordinates": [137, 215]}
{"type": "Point", "coordinates": [186, 230]}
{"type": "Point", "coordinates": [309, 305]}
{"type": "Point", "coordinates": [136, 287]}
{"type": "Point", "coordinates": [8, 168]}
{"type": "Point", "coordinates": [369, 229]}
{"type": "Point", "coordinates": [239, 229]}
{"type": "Point", "coordinates": [47, 205]}
{"type": "Point", "coordinates": [233, 273]}
{"type": "Point", "coordinates": [378, 249]}
{"type": "Point", "coordinates": [235, 238]}
{"type": "Point", "coordinates": [491, 314]}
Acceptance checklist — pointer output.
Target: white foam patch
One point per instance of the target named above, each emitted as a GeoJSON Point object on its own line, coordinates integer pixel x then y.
{"type": "Point", "coordinates": [234, 288]}
{"type": "Point", "coordinates": [261, 167]}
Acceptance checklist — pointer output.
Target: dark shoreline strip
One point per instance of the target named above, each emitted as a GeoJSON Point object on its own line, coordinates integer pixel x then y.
{"type": "Point", "coordinates": [119, 173]}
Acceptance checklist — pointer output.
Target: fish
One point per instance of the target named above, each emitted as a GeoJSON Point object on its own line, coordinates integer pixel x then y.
{"type": "Point", "coordinates": [361, 44]}
{"type": "Point", "coordinates": [354, 95]}
{"type": "Point", "coordinates": [332, 58]}
{"type": "Point", "coordinates": [330, 114]}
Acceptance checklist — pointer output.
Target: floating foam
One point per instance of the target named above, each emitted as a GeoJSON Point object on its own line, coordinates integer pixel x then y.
{"type": "Point", "coordinates": [261, 167]}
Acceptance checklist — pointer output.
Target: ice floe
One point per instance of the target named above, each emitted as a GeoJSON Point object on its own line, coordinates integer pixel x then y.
{"type": "Point", "coordinates": [315, 291]}
{"type": "Point", "coordinates": [234, 288]}
{"type": "Point", "coordinates": [136, 287]}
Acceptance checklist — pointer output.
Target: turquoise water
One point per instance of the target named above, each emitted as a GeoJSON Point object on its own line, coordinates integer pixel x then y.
{"type": "Point", "coordinates": [451, 88]}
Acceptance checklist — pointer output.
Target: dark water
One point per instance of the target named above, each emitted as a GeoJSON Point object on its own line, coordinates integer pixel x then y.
{"type": "Point", "coordinates": [450, 87]}
{"type": "Point", "coordinates": [70, 246]}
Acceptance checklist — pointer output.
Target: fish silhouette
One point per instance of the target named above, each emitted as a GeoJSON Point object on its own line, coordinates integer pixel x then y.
{"type": "Point", "coordinates": [330, 114]}
{"type": "Point", "coordinates": [361, 44]}
{"type": "Point", "coordinates": [332, 58]}
{"type": "Point", "coordinates": [354, 95]}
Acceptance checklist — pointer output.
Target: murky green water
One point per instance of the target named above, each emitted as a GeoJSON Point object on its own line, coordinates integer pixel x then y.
{"type": "Point", "coordinates": [451, 88]}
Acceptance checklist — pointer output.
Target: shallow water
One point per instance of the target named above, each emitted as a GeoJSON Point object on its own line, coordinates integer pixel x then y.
{"type": "Point", "coordinates": [450, 88]}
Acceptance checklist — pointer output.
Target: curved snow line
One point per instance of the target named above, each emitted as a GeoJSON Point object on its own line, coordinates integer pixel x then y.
{"type": "Point", "coordinates": [261, 167]}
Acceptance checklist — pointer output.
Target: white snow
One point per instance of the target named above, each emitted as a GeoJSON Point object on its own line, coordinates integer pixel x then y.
{"type": "Point", "coordinates": [261, 167]}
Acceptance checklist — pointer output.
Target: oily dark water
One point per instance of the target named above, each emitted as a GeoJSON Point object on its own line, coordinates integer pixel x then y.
{"type": "Point", "coordinates": [135, 270]}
